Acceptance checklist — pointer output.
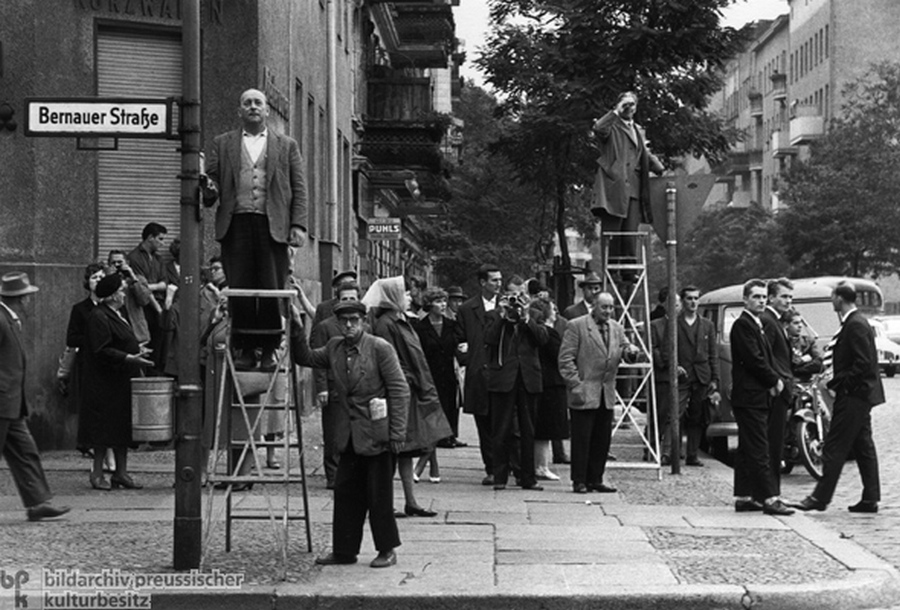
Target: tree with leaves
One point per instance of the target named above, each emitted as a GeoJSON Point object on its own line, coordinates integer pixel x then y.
{"type": "Point", "coordinates": [843, 203]}
{"type": "Point", "coordinates": [729, 245]}
{"type": "Point", "coordinates": [560, 64]}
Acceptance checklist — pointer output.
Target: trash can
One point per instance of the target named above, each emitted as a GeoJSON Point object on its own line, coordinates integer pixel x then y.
{"type": "Point", "coordinates": [152, 407]}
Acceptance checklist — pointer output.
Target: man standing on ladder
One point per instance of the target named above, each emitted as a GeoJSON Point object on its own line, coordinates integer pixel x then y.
{"type": "Point", "coordinates": [621, 197]}
{"type": "Point", "coordinates": [257, 177]}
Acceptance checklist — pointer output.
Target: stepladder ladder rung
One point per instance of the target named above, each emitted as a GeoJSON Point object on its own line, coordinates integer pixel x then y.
{"type": "Point", "coordinates": [252, 406]}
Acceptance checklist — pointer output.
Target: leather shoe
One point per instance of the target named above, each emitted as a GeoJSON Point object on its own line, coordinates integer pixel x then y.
{"type": "Point", "coordinates": [533, 487]}
{"type": "Point", "coordinates": [124, 481]}
{"type": "Point", "coordinates": [864, 506]}
{"type": "Point", "coordinates": [458, 443]}
{"type": "Point", "coordinates": [747, 506]}
{"type": "Point", "coordinates": [611, 458]}
{"type": "Point", "coordinates": [418, 511]}
{"type": "Point", "coordinates": [809, 503]}
{"type": "Point", "coordinates": [246, 360]}
{"type": "Point", "coordinates": [579, 488]}
{"type": "Point", "coordinates": [268, 361]}
{"type": "Point", "coordinates": [488, 480]}
{"type": "Point", "coordinates": [446, 443]}
{"type": "Point", "coordinates": [335, 559]}
{"type": "Point", "coordinates": [45, 510]}
{"type": "Point", "coordinates": [499, 486]}
{"type": "Point", "coordinates": [777, 507]}
{"type": "Point", "coordinates": [602, 488]}
{"type": "Point", "coordinates": [692, 461]}
{"type": "Point", "coordinates": [385, 559]}
{"type": "Point", "coordinates": [562, 459]}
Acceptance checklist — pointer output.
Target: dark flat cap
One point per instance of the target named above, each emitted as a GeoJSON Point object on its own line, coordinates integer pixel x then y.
{"type": "Point", "coordinates": [590, 278]}
{"type": "Point", "coordinates": [342, 277]}
{"type": "Point", "coordinates": [349, 307]}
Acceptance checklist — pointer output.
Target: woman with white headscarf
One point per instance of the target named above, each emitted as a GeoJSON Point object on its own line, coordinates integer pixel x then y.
{"type": "Point", "coordinates": [388, 301]}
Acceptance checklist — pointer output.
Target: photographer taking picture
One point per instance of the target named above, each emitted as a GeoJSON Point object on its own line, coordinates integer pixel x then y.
{"type": "Point", "coordinates": [513, 334]}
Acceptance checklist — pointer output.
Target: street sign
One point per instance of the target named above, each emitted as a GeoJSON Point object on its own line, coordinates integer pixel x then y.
{"type": "Point", "coordinates": [99, 117]}
{"type": "Point", "coordinates": [384, 228]}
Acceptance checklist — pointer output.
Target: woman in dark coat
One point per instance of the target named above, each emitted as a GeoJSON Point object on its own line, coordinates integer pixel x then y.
{"type": "Point", "coordinates": [112, 356]}
{"type": "Point", "coordinates": [426, 425]}
{"type": "Point", "coordinates": [551, 422]}
{"type": "Point", "coordinates": [78, 321]}
{"type": "Point", "coordinates": [437, 333]}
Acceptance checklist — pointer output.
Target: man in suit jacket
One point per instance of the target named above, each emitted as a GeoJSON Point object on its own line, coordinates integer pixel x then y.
{"type": "Point", "coordinates": [592, 348]}
{"type": "Point", "coordinates": [698, 372]}
{"type": "Point", "coordinates": [780, 297]}
{"type": "Point", "coordinates": [16, 442]}
{"type": "Point", "coordinates": [471, 320]}
{"type": "Point", "coordinates": [621, 197]}
{"type": "Point", "coordinates": [754, 383]}
{"type": "Point", "coordinates": [856, 383]}
{"type": "Point", "coordinates": [590, 286]}
{"type": "Point", "coordinates": [514, 385]}
{"type": "Point", "coordinates": [370, 426]}
{"type": "Point", "coordinates": [257, 177]}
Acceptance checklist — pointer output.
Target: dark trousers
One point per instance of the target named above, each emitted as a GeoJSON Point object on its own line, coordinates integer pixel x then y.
{"type": "Point", "coordinates": [21, 454]}
{"type": "Point", "coordinates": [364, 484]}
{"type": "Point", "coordinates": [483, 426]}
{"type": "Point", "coordinates": [851, 428]}
{"type": "Point", "coordinates": [623, 249]}
{"type": "Point", "coordinates": [757, 461]}
{"type": "Point", "coordinates": [252, 259]}
{"type": "Point", "coordinates": [508, 409]}
{"type": "Point", "coordinates": [690, 410]}
{"type": "Point", "coordinates": [330, 455]}
{"type": "Point", "coordinates": [591, 437]}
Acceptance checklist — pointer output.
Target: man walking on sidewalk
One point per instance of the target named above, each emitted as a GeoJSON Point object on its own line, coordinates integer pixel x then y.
{"type": "Point", "coordinates": [16, 443]}
{"type": "Point", "coordinates": [857, 386]}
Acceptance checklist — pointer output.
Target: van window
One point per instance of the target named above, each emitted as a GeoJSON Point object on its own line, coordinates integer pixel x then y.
{"type": "Point", "coordinates": [731, 313]}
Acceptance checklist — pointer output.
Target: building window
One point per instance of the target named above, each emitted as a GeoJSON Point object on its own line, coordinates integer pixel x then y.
{"type": "Point", "coordinates": [826, 41]}
{"type": "Point", "coordinates": [312, 178]}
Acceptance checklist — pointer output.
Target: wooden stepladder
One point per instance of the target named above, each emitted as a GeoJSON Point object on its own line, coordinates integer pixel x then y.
{"type": "Point", "coordinates": [635, 388]}
{"type": "Point", "coordinates": [246, 401]}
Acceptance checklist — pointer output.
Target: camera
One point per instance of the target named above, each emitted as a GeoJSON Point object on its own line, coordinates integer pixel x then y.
{"type": "Point", "coordinates": [514, 303]}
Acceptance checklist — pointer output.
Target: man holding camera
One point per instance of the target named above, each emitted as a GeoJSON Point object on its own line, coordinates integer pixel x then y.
{"type": "Point", "coordinates": [514, 385]}
{"type": "Point", "coordinates": [591, 350]}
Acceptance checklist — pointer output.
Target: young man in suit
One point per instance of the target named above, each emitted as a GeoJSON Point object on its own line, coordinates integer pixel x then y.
{"type": "Point", "coordinates": [856, 383]}
{"type": "Point", "coordinates": [590, 286]}
{"type": "Point", "coordinates": [622, 184]}
{"type": "Point", "coordinates": [591, 350]}
{"type": "Point", "coordinates": [698, 372]}
{"type": "Point", "coordinates": [16, 443]}
{"type": "Point", "coordinates": [754, 384]}
{"type": "Point", "coordinates": [780, 296]}
{"type": "Point", "coordinates": [471, 320]}
{"type": "Point", "coordinates": [369, 431]}
{"type": "Point", "coordinates": [256, 175]}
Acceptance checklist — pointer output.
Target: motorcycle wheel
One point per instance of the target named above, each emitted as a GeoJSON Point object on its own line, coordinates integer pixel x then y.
{"type": "Point", "coordinates": [811, 447]}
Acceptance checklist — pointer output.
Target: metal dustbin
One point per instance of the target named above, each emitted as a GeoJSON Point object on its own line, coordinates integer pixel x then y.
{"type": "Point", "coordinates": [152, 402]}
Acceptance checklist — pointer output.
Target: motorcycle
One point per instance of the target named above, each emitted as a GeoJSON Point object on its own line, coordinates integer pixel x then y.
{"type": "Point", "coordinates": [807, 426]}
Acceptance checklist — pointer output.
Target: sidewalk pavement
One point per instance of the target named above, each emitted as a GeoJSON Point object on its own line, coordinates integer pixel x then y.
{"type": "Point", "coordinates": [666, 542]}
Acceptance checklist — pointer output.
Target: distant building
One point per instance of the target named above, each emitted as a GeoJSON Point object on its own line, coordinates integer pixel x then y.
{"type": "Point", "coordinates": [786, 86]}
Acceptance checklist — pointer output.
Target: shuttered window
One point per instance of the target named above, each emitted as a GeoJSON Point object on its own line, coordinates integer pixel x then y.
{"type": "Point", "coordinates": [138, 183]}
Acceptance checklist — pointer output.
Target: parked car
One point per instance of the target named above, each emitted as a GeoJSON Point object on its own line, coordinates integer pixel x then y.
{"type": "Point", "coordinates": [812, 298]}
{"type": "Point", "coordinates": [888, 351]}
{"type": "Point", "coordinates": [891, 327]}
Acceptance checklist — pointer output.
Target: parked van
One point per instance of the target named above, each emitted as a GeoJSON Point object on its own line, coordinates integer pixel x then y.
{"type": "Point", "coordinates": [812, 298]}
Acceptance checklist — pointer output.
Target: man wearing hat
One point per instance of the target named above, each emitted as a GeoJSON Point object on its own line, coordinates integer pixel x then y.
{"type": "Point", "coordinates": [326, 308]}
{"type": "Point", "coordinates": [16, 442]}
{"type": "Point", "coordinates": [590, 286]}
{"type": "Point", "coordinates": [323, 380]}
{"type": "Point", "coordinates": [455, 298]}
{"type": "Point", "coordinates": [370, 429]}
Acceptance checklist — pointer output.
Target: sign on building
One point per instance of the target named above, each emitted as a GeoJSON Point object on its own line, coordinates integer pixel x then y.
{"type": "Point", "coordinates": [99, 117]}
{"type": "Point", "coordinates": [384, 228]}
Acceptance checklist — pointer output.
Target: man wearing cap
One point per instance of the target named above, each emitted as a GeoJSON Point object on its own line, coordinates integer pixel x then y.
{"type": "Point", "coordinates": [326, 308]}
{"type": "Point", "coordinates": [257, 177]}
{"type": "Point", "coordinates": [370, 429]}
{"type": "Point", "coordinates": [455, 298]}
{"type": "Point", "coordinates": [16, 442]}
{"type": "Point", "coordinates": [323, 379]}
{"type": "Point", "coordinates": [590, 286]}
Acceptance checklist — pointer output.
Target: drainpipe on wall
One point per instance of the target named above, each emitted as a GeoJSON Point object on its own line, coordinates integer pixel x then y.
{"type": "Point", "coordinates": [333, 144]}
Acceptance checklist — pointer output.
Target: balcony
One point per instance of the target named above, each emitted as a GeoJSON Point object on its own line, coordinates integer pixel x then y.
{"type": "Point", "coordinates": [756, 104]}
{"type": "Point", "coordinates": [755, 159]}
{"type": "Point", "coordinates": [779, 86]}
{"type": "Point", "coordinates": [738, 162]}
{"type": "Point", "coordinates": [781, 146]}
{"type": "Point", "coordinates": [806, 125]}
{"type": "Point", "coordinates": [416, 33]}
